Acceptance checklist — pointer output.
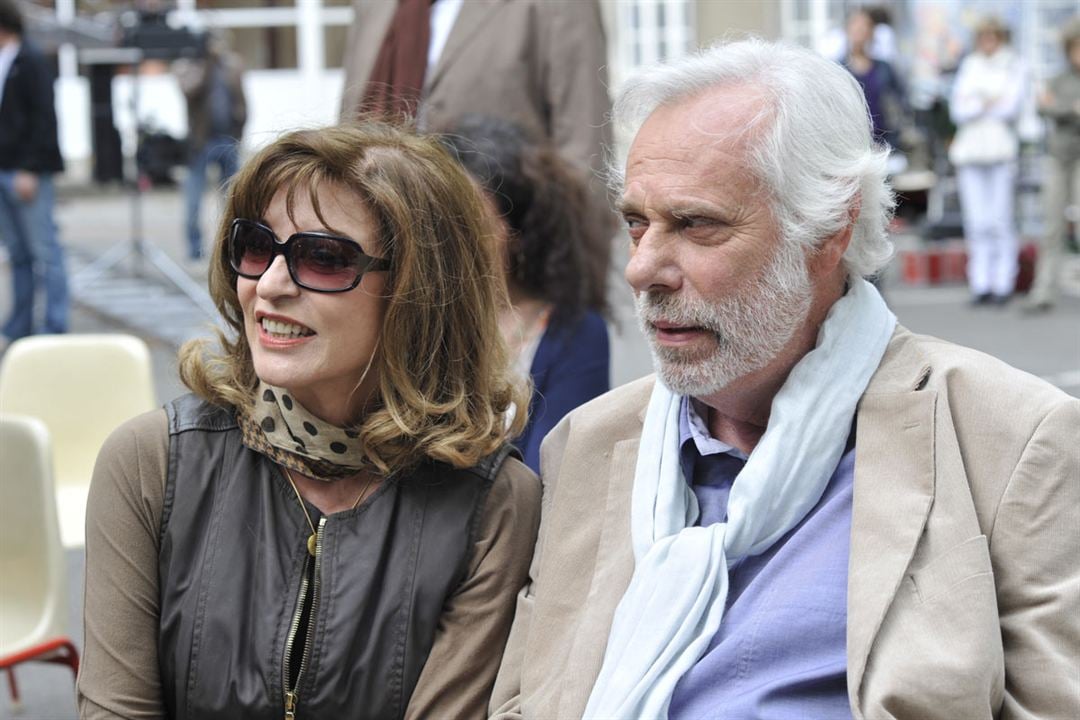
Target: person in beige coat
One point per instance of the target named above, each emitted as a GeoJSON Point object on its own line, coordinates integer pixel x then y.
{"type": "Point", "coordinates": [540, 64]}
{"type": "Point", "coordinates": [810, 511]}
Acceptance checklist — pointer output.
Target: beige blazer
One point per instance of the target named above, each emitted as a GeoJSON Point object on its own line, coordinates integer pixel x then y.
{"type": "Point", "coordinates": [539, 63]}
{"type": "Point", "coordinates": [964, 573]}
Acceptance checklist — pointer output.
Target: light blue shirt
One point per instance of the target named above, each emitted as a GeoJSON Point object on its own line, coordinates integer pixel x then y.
{"type": "Point", "coordinates": [780, 652]}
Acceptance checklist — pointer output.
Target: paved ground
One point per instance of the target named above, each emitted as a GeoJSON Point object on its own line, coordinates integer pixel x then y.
{"type": "Point", "coordinates": [92, 225]}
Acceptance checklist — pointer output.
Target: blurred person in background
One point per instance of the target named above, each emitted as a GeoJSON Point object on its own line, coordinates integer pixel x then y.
{"type": "Point", "coordinates": [332, 525]}
{"type": "Point", "coordinates": [1060, 104]}
{"type": "Point", "coordinates": [542, 222]}
{"type": "Point", "coordinates": [29, 157]}
{"type": "Point", "coordinates": [885, 97]}
{"type": "Point", "coordinates": [985, 105]}
{"type": "Point", "coordinates": [217, 111]}
{"type": "Point", "coordinates": [881, 46]}
{"type": "Point", "coordinates": [540, 64]}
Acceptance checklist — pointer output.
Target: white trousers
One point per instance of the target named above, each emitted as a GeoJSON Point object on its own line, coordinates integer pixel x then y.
{"type": "Point", "coordinates": [987, 196]}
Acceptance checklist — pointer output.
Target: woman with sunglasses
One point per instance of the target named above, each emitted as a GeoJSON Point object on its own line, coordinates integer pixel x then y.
{"type": "Point", "coordinates": [330, 525]}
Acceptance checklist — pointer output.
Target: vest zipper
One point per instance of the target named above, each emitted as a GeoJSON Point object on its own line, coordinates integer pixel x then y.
{"type": "Point", "coordinates": [292, 696]}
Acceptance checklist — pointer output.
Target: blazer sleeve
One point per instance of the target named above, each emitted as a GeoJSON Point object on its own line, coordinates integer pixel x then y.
{"type": "Point", "coordinates": [1035, 551]}
{"type": "Point", "coordinates": [575, 76]}
{"type": "Point", "coordinates": [353, 90]}
{"type": "Point", "coordinates": [505, 703]}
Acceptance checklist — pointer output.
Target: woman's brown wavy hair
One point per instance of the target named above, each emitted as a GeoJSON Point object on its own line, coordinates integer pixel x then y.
{"type": "Point", "coordinates": [445, 386]}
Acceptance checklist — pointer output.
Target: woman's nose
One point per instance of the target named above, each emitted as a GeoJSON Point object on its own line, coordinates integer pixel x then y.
{"type": "Point", "coordinates": [276, 281]}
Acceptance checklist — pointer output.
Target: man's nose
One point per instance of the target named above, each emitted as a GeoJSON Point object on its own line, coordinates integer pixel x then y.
{"type": "Point", "coordinates": [653, 263]}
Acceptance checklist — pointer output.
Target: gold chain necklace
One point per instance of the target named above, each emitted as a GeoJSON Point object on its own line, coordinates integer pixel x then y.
{"type": "Point", "coordinates": [311, 541]}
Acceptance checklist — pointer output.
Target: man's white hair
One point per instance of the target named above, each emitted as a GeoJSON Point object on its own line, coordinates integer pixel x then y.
{"type": "Point", "coordinates": [811, 143]}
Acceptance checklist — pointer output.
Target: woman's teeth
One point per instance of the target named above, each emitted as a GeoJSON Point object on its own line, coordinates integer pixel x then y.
{"type": "Point", "coordinates": [282, 329]}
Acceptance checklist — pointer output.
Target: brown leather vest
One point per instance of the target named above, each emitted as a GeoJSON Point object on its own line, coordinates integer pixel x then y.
{"type": "Point", "coordinates": [234, 572]}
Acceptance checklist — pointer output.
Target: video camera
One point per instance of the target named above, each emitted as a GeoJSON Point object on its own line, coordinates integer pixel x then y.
{"type": "Point", "coordinates": [148, 31]}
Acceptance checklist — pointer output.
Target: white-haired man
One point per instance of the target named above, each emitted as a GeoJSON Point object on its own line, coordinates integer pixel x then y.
{"type": "Point", "coordinates": [810, 512]}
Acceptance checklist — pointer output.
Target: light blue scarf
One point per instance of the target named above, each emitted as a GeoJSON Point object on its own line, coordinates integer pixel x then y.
{"type": "Point", "coordinates": [676, 598]}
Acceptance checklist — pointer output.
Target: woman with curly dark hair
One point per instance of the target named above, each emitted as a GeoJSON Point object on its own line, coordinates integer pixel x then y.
{"type": "Point", "coordinates": [541, 218]}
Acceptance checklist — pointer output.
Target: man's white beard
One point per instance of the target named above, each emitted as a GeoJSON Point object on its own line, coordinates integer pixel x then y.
{"type": "Point", "coordinates": [750, 329]}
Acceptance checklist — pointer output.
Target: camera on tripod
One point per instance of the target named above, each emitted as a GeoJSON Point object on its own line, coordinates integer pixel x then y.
{"type": "Point", "coordinates": [147, 30]}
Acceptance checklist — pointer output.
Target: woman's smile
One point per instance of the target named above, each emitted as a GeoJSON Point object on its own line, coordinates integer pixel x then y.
{"type": "Point", "coordinates": [281, 331]}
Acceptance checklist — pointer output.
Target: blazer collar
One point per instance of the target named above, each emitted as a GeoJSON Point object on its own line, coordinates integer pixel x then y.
{"type": "Point", "coordinates": [903, 367]}
{"type": "Point", "coordinates": [474, 14]}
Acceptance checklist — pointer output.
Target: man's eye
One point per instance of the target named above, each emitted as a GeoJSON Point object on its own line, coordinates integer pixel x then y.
{"type": "Point", "coordinates": [635, 225]}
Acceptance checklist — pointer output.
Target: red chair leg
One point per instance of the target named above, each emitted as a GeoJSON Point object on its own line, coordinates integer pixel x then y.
{"type": "Point", "coordinates": [57, 651]}
{"type": "Point", "coordinates": [72, 658]}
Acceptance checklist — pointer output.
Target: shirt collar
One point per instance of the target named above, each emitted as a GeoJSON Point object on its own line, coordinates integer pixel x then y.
{"type": "Point", "coordinates": [692, 427]}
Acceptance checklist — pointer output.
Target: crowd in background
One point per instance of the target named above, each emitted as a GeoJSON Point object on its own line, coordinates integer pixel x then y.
{"type": "Point", "coordinates": [452, 74]}
{"type": "Point", "coordinates": [985, 102]}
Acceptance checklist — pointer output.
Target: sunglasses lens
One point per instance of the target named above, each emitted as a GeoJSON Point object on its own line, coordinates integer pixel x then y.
{"type": "Point", "coordinates": [252, 249]}
{"type": "Point", "coordinates": [326, 263]}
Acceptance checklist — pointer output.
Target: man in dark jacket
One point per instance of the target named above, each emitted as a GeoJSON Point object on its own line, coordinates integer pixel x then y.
{"type": "Point", "coordinates": [29, 155]}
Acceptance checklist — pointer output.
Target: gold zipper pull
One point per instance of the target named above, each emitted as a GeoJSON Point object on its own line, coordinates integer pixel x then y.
{"type": "Point", "coordinates": [290, 706]}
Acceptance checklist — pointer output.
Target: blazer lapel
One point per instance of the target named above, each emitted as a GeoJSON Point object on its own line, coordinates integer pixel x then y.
{"type": "Point", "coordinates": [893, 493]}
{"type": "Point", "coordinates": [474, 14]}
{"type": "Point", "coordinates": [611, 576]}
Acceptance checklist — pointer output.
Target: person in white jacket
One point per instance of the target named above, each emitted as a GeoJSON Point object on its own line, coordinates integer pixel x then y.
{"type": "Point", "coordinates": [986, 102]}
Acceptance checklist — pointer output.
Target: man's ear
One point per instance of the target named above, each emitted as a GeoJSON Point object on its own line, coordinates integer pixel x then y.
{"type": "Point", "coordinates": [831, 251]}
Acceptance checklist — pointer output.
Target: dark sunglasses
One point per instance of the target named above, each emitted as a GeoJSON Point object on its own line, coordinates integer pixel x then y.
{"type": "Point", "coordinates": [316, 261]}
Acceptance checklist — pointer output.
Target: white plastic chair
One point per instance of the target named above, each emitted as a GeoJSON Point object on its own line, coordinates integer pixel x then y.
{"type": "Point", "coordinates": [82, 387]}
{"type": "Point", "coordinates": [33, 593]}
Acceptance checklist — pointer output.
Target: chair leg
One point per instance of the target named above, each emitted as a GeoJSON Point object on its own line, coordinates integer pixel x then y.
{"type": "Point", "coordinates": [13, 686]}
{"type": "Point", "coordinates": [65, 654]}
{"type": "Point", "coordinates": [72, 658]}
{"type": "Point", "coordinates": [62, 652]}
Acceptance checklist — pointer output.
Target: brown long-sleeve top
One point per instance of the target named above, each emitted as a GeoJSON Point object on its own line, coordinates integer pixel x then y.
{"type": "Point", "coordinates": [119, 675]}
